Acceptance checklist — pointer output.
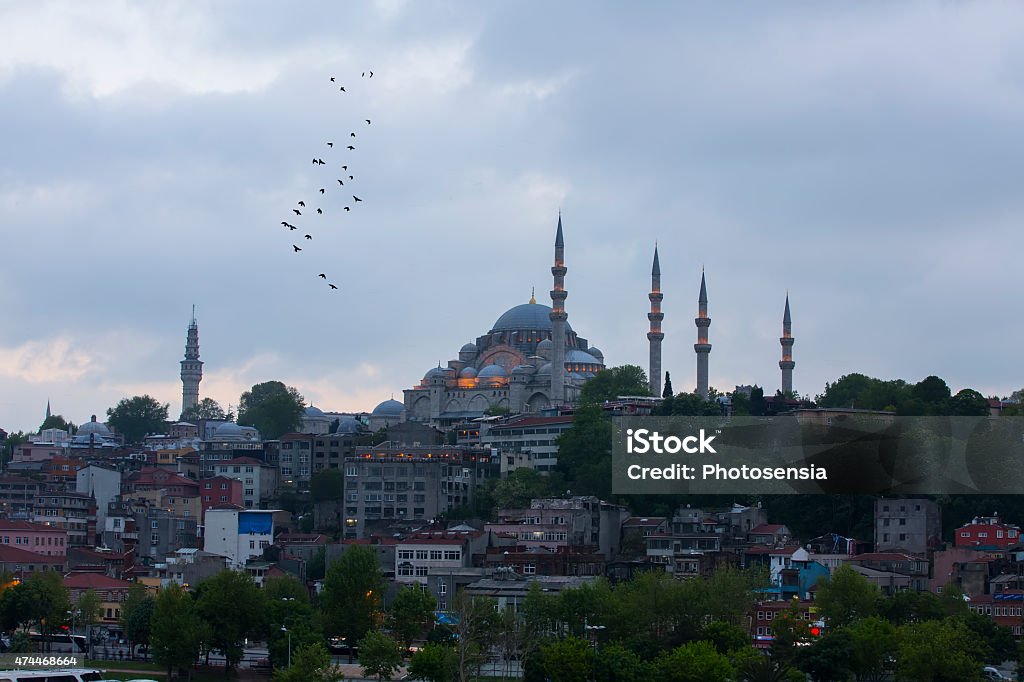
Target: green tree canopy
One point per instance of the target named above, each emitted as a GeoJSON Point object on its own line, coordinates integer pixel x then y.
{"type": "Point", "coordinates": [137, 614]}
{"type": "Point", "coordinates": [968, 403]}
{"type": "Point", "coordinates": [235, 608]}
{"type": "Point", "coordinates": [273, 408]}
{"type": "Point", "coordinates": [585, 452]}
{"type": "Point", "coordinates": [176, 629]}
{"type": "Point", "coordinates": [940, 651]}
{"type": "Point", "coordinates": [327, 485]}
{"type": "Point", "coordinates": [310, 663]}
{"type": "Point", "coordinates": [433, 663]}
{"type": "Point", "coordinates": [411, 614]}
{"type": "Point", "coordinates": [609, 384]}
{"type": "Point", "coordinates": [207, 408]}
{"type": "Point", "coordinates": [693, 662]}
{"type": "Point", "coordinates": [846, 596]}
{"type": "Point", "coordinates": [137, 417]}
{"type": "Point", "coordinates": [353, 589]}
{"type": "Point", "coordinates": [379, 655]}
{"type": "Point", "coordinates": [56, 421]}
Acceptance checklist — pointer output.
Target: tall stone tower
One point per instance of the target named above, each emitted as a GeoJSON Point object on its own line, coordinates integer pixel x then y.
{"type": "Point", "coordinates": [191, 367]}
{"type": "Point", "coordinates": [655, 335]}
{"type": "Point", "coordinates": [786, 364]}
{"type": "Point", "coordinates": [702, 347]}
{"type": "Point", "coordinates": [558, 318]}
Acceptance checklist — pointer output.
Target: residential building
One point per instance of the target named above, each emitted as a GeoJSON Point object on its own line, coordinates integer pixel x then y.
{"type": "Point", "coordinates": [111, 592]}
{"type": "Point", "coordinates": [259, 480]}
{"type": "Point", "coordinates": [987, 532]}
{"type": "Point", "coordinates": [908, 525]}
{"type": "Point", "coordinates": [20, 563]}
{"type": "Point", "coordinates": [238, 534]}
{"type": "Point", "coordinates": [38, 538]}
{"type": "Point", "coordinates": [103, 484]}
{"type": "Point", "coordinates": [74, 512]}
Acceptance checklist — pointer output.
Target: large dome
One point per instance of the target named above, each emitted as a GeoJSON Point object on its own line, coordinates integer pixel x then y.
{"type": "Point", "coordinates": [388, 408]}
{"type": "Point", "coordinates": [525, 317]}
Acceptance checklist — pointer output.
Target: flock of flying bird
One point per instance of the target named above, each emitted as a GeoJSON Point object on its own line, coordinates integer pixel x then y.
{"type": "Point", "coordinates": [346, 176]}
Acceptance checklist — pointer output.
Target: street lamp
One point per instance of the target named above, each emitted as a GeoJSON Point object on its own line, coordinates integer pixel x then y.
{"type": "Point", "coordinates": [284, 629]}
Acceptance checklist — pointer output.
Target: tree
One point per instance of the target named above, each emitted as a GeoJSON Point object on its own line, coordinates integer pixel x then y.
{"type": "Point", "coordinates": [379, 655]}
{"type": "Point", "coordinates": [90, 610]}
{"type": "Point", "coordinates": [47, 599]}
{"type": "Point", "coordinates": [828, 658]}
{"type": "Point", "coordinates": [56, 421]}
{"type": "Point", "coordinates": [411, 614]}
{"type": "Point", "coordinates": [176, 630]}
{"type": "Point", "coordinates": [353, 588]}
{"type": "Point", "coordinates": [845, 597]}
{"type": "Point", "coordinates": [939, 651]}
{"type": "Point", "coordinates": [518, 488]}
{"type": "Point", "coordinates": [873, 648]}
{"type": "Point", "coordinates": [969, 403]}
{"type": "Point", "coordinates": [235, 608]}
{"type": "Point", "coordinates": [725, 637]}
{"type": "Point", "coordinates": [585, 452]}
{"type": "Point", "coordinates": [207, 408]}
{"type": "Point", "coordinates": [327, 485]}
{"type": "Point", "coordinates": [137, 417]}
{"type": "Point", "coordinates": [273, 408]}
{"type": "Point", "coordinates": [433, 663]}
{"type": "Point", "coordinates": [568, 660]}
{"type": "Point", "coordinates": [667, 393]}
{"type": "Point", "coordinates": [693, 662]}
{"type": "Point", "coordinates": [137, 615]}
{"type": "Point", "coordinates": [310, 663]}
{"type": "Point", "coordinates": [609, 384]}
{"type": "Point", "coordinates": [476, 618]}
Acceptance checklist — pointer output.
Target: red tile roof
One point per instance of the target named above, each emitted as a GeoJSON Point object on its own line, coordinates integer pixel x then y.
{"type": "Point", "coordinates": [885, 556]}
{"type": "Point", "coordinates": [12, 555]}
{"type": "Point", "coordinates": [85, 581]}
{"type": "Point", "coordinates": [12, 524]}
{"type": "Point", "coordinates": [766, 528]}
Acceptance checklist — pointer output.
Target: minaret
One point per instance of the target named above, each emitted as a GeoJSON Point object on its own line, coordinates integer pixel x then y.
{"type": "Point", "coordinates": [191, 367]}
{"type": "Point", "coordinates": [786, 364]}
{"type": "Point", "coordinates": [702, 347]}
{"type": "Point", "coordinates": [655, 335]}
{"type": "Point", "coordinates": [558, 318]}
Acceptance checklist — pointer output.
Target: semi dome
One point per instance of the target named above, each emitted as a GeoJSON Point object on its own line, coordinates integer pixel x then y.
{"type": "Point", "coordinates": [431, 373]}
{"type": "Point", "coordinates": [468, 373]}
{"type": "Point", "coordinates": [314, 412]}
{"type": "Point", "coordinates": [526, 317]}
{"type": "Point", "coordinates": [582, 357]}
{"type": "Point", "coordinates": [546, 344]}
{"type": "Point", "coordinates": [391, 408]}
{"type": "Point", "coordinates": [596, 352]}
{"type": "Point", "coordinates": [348, 425]}
{"type": "Point", "coordinates": [545, 368]}
{"type": "Point", "coordinates": [468, 348]}
{"type": "Point", "coordinates": [492, 372]}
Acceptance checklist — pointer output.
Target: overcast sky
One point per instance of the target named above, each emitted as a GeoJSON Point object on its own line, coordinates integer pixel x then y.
{"type": "Point", "coordinates": [867, 157]}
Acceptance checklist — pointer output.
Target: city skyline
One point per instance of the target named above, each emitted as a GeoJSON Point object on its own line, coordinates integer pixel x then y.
{"type": "Point", "coordinates": [864, 160]}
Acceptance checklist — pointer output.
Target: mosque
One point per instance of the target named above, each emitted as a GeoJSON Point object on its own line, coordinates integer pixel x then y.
{"type": "Point", "coordinates": [532, 359]}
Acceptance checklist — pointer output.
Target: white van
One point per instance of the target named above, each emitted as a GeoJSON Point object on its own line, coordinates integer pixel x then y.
{"type": "Point", "coordinates": [68, 675]}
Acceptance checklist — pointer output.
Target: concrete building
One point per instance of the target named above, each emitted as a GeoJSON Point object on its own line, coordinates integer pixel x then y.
{"type": "Point", "coordinates": [72, 512]}
{"type": "Point", "coordinates": [20, 563]}
{"type": "Point", "coordinates": [987, 532]}
{"type": "Point", "coordinates": [219, 490]}
{"type": "Point", "coordinates": [38, 538]}
{"type": "Point", "coordinates": [421, 553]}
{"type": "Point", "coordinates": [259, 480]}
{"type": "Point", "coordinates": [161, 532]}
{"type": "Point", "coordinates": [384, 485]}
{"type": "Point", "coordinates": [526, 441]}
{"type": "Point", "coordinates": [103, 484]}
{"type": "Point", "coordinates": [909, 525]}
{"type": "Point", "coordinates": [238, 534]}
{"type": "Point", "coordinates": [112, 593]}
{"type": "Point", "coordinates": [295, 459]}
{"type": "Point", "coordinates": [560, 523]}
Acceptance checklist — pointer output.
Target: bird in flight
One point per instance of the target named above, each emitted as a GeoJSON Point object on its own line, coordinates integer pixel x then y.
{"type": "Point", "coordinates": [341, 183]}
{"type": "Point", "coordinates": [332, 286]}
{"type": "Point", "coordinates": [288, 225]}
{"type": "Point", "coordinates": [297, 249]}
{"type": "Point", "coordinates": [342, 89]}
{"type": "Point", "coordinates": [302, 204]}
{"type": "Point", "coordinates": [356, 198]}
{"type": "Point", "coordinates": [351, 177]}
{"type": "Point", "coordinates": [309, 236]}
{"type": "Point", "coordinates": [297, 211]}
{"type": "Point", "coordinates": [367, 121]}
{"type": "Point", "coordinates": [351, 147]}
{"type": "Point", "coordinates": [344, 168]}
{"type": "Point", "coordinates": [332, 79]}
{"type": "Point", "coordinates": [321, 162]}
{"type": "Point", "coordinates": [321, 190]}
{"type": "Point", "coordinates": [322, 275]}
{"type": "Point", "coordinates": [331, 145]}
{"type": "Point", "coordinates": [319, 211]}
{"type": "Point", "coordinates": [351, 134]}
{"type": "Point", "coordinates": [347, 208]}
